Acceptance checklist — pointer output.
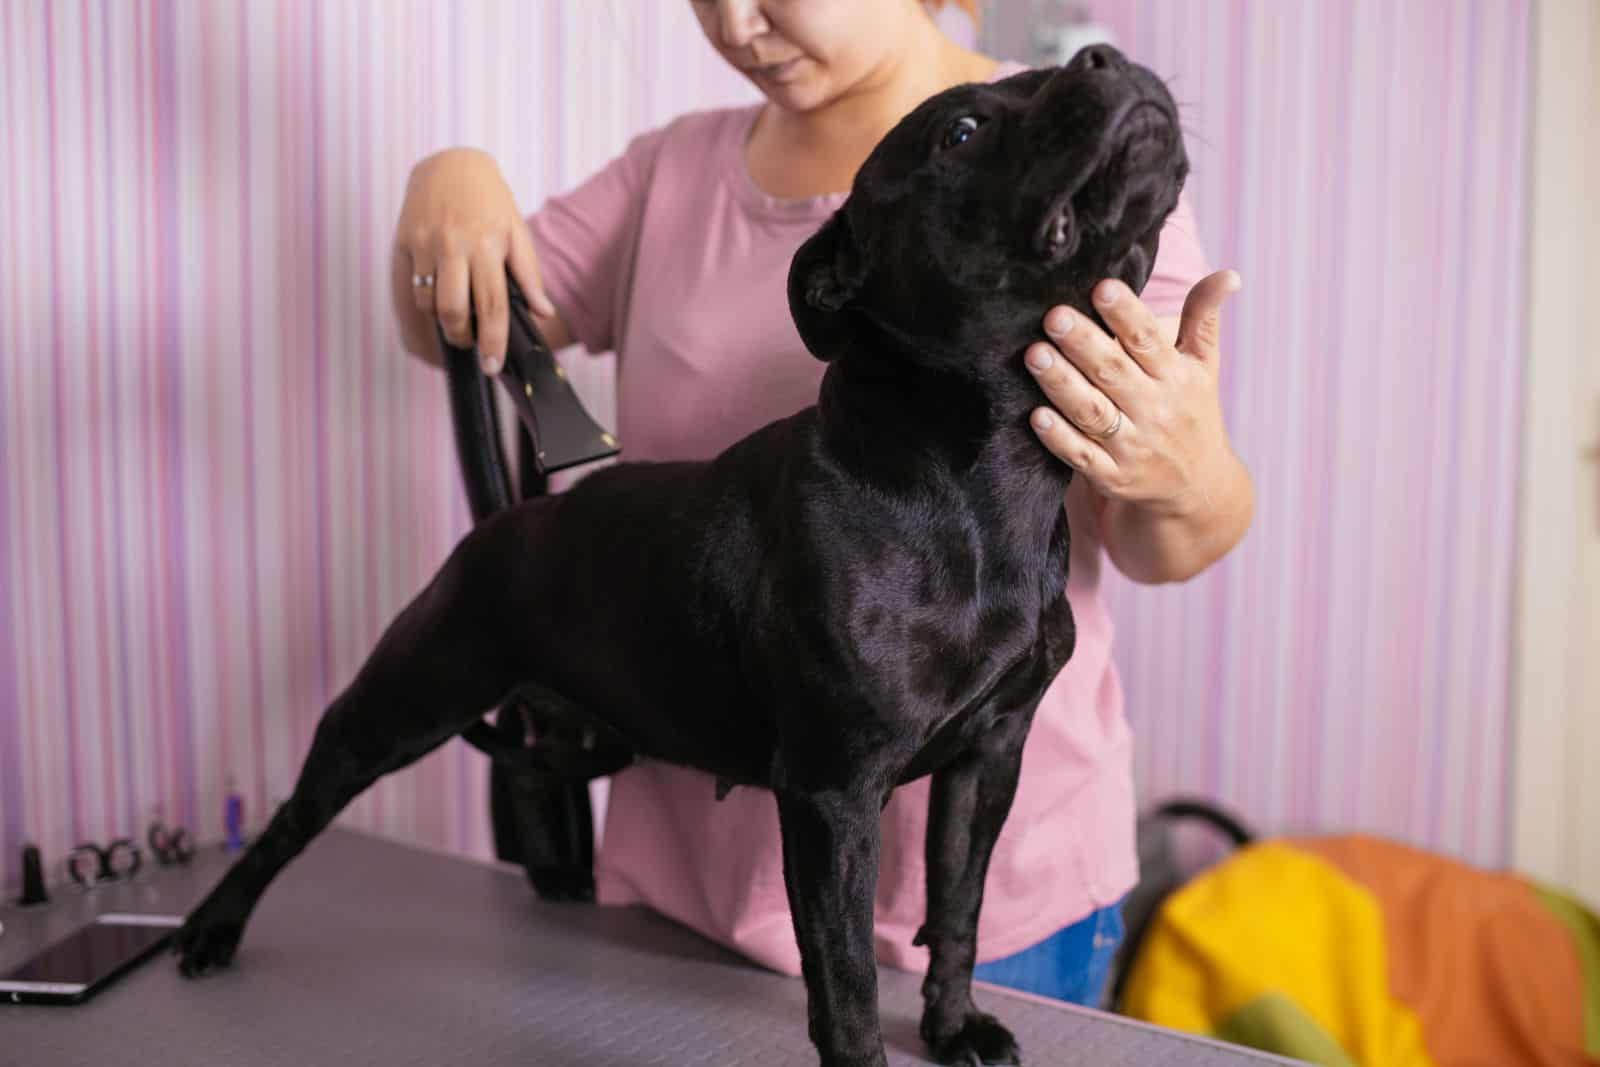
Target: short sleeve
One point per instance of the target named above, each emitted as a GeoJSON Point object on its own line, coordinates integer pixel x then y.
{"type": "Point", "coordinates": [1180, 262]}
{"type": "Point", "coordinates": [585, 240]}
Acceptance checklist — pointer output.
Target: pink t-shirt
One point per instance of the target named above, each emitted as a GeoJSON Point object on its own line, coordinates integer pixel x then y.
{"type": "Point", "coordinates": [674, 259]}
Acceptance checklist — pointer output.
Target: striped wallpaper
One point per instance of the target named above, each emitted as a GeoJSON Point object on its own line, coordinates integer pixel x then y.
{"type": "Point", "coordinates": [1362, 165]}
{"type": "Point", "coordinates": [219, 477]}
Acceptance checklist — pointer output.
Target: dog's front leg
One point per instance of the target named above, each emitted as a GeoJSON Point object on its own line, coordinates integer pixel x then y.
{"type": "Point", "coordinates": [830, 868]}
{"type": "Point", "coordinates": [967, 806]}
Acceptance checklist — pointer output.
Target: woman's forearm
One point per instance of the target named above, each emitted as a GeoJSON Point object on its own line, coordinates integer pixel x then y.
{"type": "Point", "coordinates": [1153, 544]}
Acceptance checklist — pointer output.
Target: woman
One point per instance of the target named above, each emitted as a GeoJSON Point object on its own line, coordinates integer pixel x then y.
{"type": "Point", "coordinates": [675, 256]}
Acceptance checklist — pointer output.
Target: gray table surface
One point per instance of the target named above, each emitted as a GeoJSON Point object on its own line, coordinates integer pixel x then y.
{"type": "Point", "coordinates": [370, 952]}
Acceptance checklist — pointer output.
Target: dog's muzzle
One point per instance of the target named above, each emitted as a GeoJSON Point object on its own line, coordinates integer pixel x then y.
{"type": "Point", "coordinates": [1139, 133]}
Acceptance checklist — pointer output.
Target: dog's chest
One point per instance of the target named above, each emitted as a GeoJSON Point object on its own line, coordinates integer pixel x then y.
{"type": "Point", "coordinates": [942, 618]}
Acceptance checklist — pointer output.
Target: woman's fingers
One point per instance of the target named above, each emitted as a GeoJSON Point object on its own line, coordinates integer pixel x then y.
{"type": "Point", "coordinates": [1073, 447]}
{"type": "Point", "coordinates": [1071, 393]}
{"type": "Point", "coordinates": [1201, 329]}
{"type": "Point", "coordinates": [524, 267]}
{"type": "Point", "coordinates": [422, 278]}
{"type": "Point", "coordinates": [451, 284]}
{"type": "Point", "coordinates": [488, 275]}
{"type": "Point", "coordinates": [1135, 327]}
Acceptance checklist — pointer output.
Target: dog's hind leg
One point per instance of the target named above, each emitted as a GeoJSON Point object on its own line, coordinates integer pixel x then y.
{"type": "Point", "coordinates": [967, 806]}
{"type": "Point", "coordinates": [440, 664]}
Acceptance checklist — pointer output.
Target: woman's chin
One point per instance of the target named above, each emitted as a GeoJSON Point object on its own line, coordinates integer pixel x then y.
{"type": "Point", "coordinates": [796, 97]}
{"type": "Point", "coordinates": [801, 90]}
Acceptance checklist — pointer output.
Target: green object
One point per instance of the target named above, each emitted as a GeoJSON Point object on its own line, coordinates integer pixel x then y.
{"type": "Point", "coordinates": [1274, 1023]}
{"type": "Point", "coordinates": [1585, 930]}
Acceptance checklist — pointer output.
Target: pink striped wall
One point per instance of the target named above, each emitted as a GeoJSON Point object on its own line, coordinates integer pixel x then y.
{"type": "Point", "coordinates": [1362, 164]}
{"type": "Point", "coordinates": [219, 478]}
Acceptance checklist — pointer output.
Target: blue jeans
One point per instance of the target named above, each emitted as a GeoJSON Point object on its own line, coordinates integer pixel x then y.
{"type": "Point", "coordinates": [1072, 964]}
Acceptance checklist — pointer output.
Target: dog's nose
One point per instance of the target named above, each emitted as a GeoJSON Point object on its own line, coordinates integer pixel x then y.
{"type": "Point", "coordinates": [1097, 57]}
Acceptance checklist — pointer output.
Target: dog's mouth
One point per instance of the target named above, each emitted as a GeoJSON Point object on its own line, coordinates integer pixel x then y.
{"type": "Point", "coordinates": [1139, 145]}
{"type": "Point", "coordinates": [1056, 230]}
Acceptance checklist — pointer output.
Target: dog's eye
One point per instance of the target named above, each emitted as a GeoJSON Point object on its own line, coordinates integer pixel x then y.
{"type": "Point", "coordinates": [958, 131]}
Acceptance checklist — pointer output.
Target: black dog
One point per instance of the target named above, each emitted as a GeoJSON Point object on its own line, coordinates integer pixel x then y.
{"type": "Point", "coordinates": [863, 593]}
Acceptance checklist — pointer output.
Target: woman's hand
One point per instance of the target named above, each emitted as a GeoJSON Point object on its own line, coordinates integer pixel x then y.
{"type": "Point", "coordinates": [1139, 416]}
{"type": "Point", "coordinates": [458, 232]}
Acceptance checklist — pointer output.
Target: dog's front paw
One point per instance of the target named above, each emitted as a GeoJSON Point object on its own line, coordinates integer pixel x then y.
{"type": "Point", "coordinates": [980, 1039]}
{"type": "Point", "coordinates": [871, 1059]}
{"type": "Point", "coordinates": [207, 939]}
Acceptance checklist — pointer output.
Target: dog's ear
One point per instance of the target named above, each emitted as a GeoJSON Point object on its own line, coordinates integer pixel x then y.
{"type": "Point", "coordinates": [824, 278]}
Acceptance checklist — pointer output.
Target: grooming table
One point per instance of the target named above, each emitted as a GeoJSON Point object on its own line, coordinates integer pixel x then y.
{"type": "Point", "coordinates": [370, 952]}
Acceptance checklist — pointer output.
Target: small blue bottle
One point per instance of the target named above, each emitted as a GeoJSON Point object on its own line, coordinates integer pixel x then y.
{"type": "Point", "coordinates": [233, 821]}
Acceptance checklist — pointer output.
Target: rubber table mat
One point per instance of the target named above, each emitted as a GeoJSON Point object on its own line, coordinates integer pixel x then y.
{"type": "Point", "coordinates": [370, 952]}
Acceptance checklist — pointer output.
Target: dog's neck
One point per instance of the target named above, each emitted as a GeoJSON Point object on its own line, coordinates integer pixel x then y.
{"type": "Point", "coordinates": [891, 423]}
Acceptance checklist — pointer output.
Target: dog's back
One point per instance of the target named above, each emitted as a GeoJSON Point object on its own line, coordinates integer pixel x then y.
{"type": "Point", "coordinates": [666, 571]}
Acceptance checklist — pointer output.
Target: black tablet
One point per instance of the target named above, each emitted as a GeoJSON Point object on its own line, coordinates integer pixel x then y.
{"type": "Point", "coordinates": [76, 967]}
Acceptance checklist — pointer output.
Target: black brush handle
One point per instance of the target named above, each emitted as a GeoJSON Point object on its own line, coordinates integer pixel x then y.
{"type": "Point", "coordinates": [484, 470]}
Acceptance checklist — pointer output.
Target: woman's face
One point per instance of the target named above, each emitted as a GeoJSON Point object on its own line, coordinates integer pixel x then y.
{"type": "Point", "coordinates": [803, 54]}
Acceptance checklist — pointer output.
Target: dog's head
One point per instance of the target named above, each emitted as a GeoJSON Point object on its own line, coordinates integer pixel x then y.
{"type": "Point", "coordinates": [989, 204]}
